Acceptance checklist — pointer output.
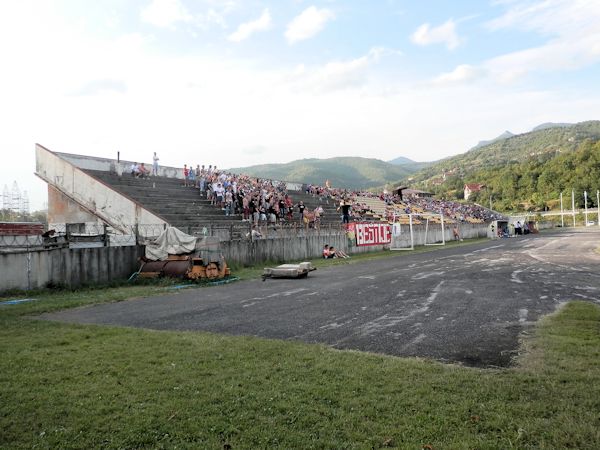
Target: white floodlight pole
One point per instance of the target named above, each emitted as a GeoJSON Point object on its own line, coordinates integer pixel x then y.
{"type": "Point", "coordinates": [443, 230]}
{"type": "Point", "coordinates": [562, 217]}
{"type": "Point", "coordinates": [585, 203]}
{"type": "Point", "coordinates": [410, 225]}
{"type": "Point", "coordinates": [573, 204]}
{"type": "Point", "coordinates": [598, 205]}
{"type": "Point", "coordinates": [412, 239]}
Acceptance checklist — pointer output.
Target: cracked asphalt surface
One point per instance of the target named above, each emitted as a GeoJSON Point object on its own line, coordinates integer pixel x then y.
{"type": "Point", "coordinates": [464, 304]}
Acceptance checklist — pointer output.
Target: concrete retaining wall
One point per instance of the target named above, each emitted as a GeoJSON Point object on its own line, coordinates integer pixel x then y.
{"type": "Point", "coordinates": [93, 195]}
{"type": "Point", "coordinates": [295, 248]}
{"type": "Point", "coordinates": [68, 267]}
{"type": "Point", "coordinates": [111, 165]}
{"type": "Point", "coordinates": [287, 249]}
{"type": "Point", "coordinates": [79, 266]}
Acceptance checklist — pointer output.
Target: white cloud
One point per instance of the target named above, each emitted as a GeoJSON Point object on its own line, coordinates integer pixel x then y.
{"type": "Point", "coordinates": [308, 24]}
{"type": "Point", "coordinates": [572, 29]}
{"type": "Point", "coordinates": [463, 73]}
{"type": "Point", "coordinates": [245, 30]}
{"type": "Point", "coordinates": [335, 75]}
{"type": "Point", "coordinates": [165, 13]}
{"type": "Point", "coordinates": [184, 105]}
{"type": "Point", "coordinates": [168, 13]}
{"type": "Point", "coordinates": [573, 41]}
{"type": "Point", "coordinates": [444, 34]}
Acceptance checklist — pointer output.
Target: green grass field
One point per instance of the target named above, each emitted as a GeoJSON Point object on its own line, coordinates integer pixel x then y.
{"type": "Point", "coordinates": [73, 386]}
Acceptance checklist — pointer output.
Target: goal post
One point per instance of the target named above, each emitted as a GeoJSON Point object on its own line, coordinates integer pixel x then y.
{"type": "Point", "coordinates": [402, 232]}
{"type": "Point", "coordinates": [435, 219]}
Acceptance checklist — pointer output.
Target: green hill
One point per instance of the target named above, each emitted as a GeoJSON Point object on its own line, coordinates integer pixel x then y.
{"type": "Point", "coordinates": [401, 161]}
{"type": "Point", "coordinates": [523, 171]}
{"type": "Point", "coordinates": [342, 172]}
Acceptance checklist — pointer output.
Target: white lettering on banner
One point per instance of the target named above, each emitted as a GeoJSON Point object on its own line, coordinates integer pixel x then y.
{"type": "Point", "coordinates": [373, 233]}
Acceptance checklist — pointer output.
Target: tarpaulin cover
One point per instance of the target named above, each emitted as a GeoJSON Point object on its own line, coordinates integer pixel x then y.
{"type": "Point", "coordinates": [171, 242]}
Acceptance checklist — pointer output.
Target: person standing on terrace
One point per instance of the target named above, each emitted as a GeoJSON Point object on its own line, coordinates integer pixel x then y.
{"type": "Point", "coordinates": [185, 175]}
{"type": "Point", "coordinates": [198, 174]}
{"type": "Point", "coordinates": [155, 165]}
{"type": "Point", "coordinates": [301, 208]}
{"type": "Point", "coordinates": [345, 207]}
{"type": "Point", "coordinates": [191, 177]}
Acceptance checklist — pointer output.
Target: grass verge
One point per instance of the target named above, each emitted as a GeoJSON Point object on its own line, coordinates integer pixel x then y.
{"type": "Point", "coordinates": [72, 386]}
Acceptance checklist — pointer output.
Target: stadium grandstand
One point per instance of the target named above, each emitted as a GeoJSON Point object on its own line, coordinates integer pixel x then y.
{"type": "Point", "coordinates": [193, 198]}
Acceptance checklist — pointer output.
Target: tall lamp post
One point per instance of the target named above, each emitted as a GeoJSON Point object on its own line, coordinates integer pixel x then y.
{"type": "Point", "coordinates": [562, 217]}
{"type": "Point", "coordinates": [598, 205]}
{"type": "Point", "coordinates": [585, 203]}
{"type": "Point", "coordinates": [573, 205]}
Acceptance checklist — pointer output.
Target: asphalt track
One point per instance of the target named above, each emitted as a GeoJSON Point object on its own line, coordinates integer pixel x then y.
{"type": "Point", "coordinates": [464, 304]}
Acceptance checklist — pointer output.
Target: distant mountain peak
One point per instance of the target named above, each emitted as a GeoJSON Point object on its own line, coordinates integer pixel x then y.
{"type": "Point", "coordinates": [401, 160]}
{"type": "Point", "coordinates": [507, 134]}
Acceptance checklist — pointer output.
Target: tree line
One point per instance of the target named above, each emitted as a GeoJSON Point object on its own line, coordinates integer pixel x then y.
{"type": "Point", "coordinates": [534, 184]}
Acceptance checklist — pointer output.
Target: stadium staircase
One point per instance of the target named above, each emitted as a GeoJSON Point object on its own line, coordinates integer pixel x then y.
{"type": "Point", "coordinates": [180, 206]}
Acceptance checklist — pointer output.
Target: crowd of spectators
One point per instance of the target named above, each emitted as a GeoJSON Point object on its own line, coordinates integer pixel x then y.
{"type": "Point", "coordinates": [257, 200]}
{"type": "Point", "coordinates": [455, 210]}
{"type": "Point", "coordinates": [263, 201]}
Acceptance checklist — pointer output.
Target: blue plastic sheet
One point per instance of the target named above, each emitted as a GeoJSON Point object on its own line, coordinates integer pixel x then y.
{"type": "Point", "coordinates": [16, 302]}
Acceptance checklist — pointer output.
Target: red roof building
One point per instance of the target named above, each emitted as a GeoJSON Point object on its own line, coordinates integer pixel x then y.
{"type": "Point", "coordinates": [472, 187]}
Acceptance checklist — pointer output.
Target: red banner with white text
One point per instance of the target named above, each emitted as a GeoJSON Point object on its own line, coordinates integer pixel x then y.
{"type": "Point", "coordinates": [371, 233]}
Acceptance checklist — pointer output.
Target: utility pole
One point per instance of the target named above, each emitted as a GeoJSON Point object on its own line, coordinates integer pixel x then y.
{"type": "Point", "coordinates": [562, 217]}
{"type": "Point", "coordinates": [598, 205]}
{"type": "Point", "coordinates": [573, 204]}
{"type": "Point", "coordinates": [585, 202]}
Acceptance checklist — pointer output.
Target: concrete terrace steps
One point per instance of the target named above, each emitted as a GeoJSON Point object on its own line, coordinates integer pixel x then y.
{"type": "Point", "coordinates": [167, 197]}
{"type": "Point", "coordinates": [184, 206]}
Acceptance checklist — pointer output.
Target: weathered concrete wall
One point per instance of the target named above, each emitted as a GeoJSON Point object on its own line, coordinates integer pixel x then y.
{"type": "Point", "coordinates": [68, 267]}
{"type": "Point", "coordinates": [62, 209]}
{"type": "Point", "coordinates": [287, 249]}
{"type": "Point", "coordinates": [294, 248]}
{"type": "Point", "coordinates": [93, 195]}
{"type": "Point", "coordinates": [74, 267]}
{"type": "Point", "coordinates": [111, 165]}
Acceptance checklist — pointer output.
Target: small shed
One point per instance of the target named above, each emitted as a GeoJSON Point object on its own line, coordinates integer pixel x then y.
{"type": "Point", "coordinates": [404, 191]}
{"type": "Point", "coordinates": [498, 229]}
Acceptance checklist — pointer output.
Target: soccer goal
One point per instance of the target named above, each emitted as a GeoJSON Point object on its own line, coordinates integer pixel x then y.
{"type": "Point", "coordinates": [402, 232]}
{"type": "Point", "coordinates": [435, 231]}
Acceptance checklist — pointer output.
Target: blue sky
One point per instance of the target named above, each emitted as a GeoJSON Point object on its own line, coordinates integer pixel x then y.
{"type": "Point", "coordinates": [235, 83]}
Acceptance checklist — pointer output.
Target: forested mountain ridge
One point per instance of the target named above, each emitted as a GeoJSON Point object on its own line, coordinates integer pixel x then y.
{"type": "Point", "coordinates": [504, 135]}
{"type": "Point", "coordinates": [517, 148]}
{"type": "Point", "coordinates": [342, 172]}
{"type": "Point", "coordinates": [524, 171]}
{"type": "Point", "coordinates": [520, 171]}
